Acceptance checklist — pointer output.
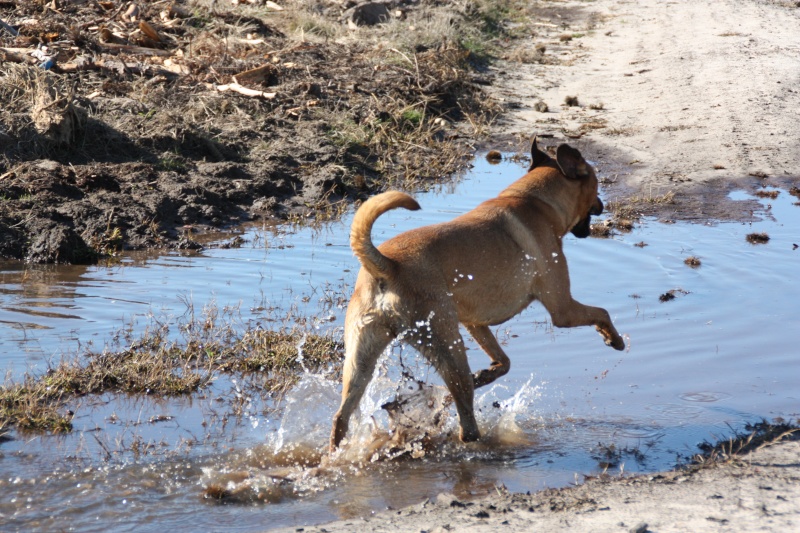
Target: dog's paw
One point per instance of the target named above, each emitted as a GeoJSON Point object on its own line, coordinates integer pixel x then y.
{"type": "Point", "coordinates": [616, 342]}
{"type": "Point", "coordinates": [469, 435]}
{"type": "Point", "coordinates": [611, 338]}
{"type": "Point", "coordinates": [483, 377]}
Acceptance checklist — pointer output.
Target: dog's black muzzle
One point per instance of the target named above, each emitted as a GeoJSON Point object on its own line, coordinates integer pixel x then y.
{"type": "Point", "coordinates": [597, 208]}
{"type": "Point", "coordinates": [583, 228]}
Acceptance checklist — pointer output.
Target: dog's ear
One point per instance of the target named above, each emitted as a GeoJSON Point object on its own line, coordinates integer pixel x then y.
{"type": "Point", "coordinates": [571, 162]}
{"type": "Point", "coordinates": [538, 158]}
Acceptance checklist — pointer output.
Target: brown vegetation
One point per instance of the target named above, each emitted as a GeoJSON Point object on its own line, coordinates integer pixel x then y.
{"type": "Point", "coordinates": [158, 365]}
{"type": "Point", "coordinates": [210, 114]}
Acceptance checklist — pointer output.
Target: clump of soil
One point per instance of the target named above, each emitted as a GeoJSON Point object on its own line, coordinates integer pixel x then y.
{"type": "Point", "coordinates": [494, 157]}
{"type": "Point", "coordinates": [757, 238]}
{"type": "Point", "coordinates": [609, 227]}
{"type": "Point", "coordinates": [671, 295]}
{"type": "Point", "coordinates": [120, 126]}
{"type": "Point", "coordinates": [692, 261]}
{"type": "Point", "coordinates": [767, 194]}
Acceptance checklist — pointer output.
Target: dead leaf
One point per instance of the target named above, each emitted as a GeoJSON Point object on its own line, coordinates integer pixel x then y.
{"type": "Point", "coordinates": [150, 31]}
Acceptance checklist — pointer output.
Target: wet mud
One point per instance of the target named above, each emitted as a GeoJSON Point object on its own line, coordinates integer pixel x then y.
{"type": "Point", "coordinates": [123, 143]}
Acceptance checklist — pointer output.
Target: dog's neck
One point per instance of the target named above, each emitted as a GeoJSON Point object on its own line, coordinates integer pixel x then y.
{"type": "Point", "coordinates": [552, 205]}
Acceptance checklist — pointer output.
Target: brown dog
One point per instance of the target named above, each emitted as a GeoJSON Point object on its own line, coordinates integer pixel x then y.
{"type": "Point", "coordinates": [479, 269]}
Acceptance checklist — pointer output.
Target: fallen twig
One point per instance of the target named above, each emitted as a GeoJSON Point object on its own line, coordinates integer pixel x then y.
{"type": "Point", "coordinates": [9, 29]}
{"type": "Point", "coordinates": [253, 93]}
{"type": "Point", "coordinates": [132, 49]}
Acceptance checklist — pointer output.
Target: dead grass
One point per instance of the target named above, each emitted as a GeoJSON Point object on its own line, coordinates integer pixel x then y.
{"type": "Point", "coordinates": [366, 108]}
{"type": "Point", "coordinates": [678, 127]}
{"type": "Point", "coordinates": [156, 364]}
{"type": "Point", "coordinates": [620, 132]}
{"type": "Point", "coordinates": [613, 456]}
{"type": "Point", "coordinates": [633, 208]}
{"type": "Point", "coordinates": [757, 436]}
{"type": "Point", "coordinates": [658, 199]}
{"type": "Point", "coordinates": [771, 195]}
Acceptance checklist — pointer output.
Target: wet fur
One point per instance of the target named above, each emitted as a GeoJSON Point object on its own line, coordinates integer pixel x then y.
{"type": "Point", "coordinates": [479, 270]}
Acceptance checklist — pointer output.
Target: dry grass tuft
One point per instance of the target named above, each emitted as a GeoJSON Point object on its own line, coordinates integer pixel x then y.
{"type": "Point", "coordinates": [154, 365]}
{"type": "Point", "coordinates": [771, 195]}
{"type": "Point", "coordinates": [758, 436]}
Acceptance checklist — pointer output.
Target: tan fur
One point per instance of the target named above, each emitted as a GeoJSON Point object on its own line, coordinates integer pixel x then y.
{"type": "Point", "coordinates": [480, 269]}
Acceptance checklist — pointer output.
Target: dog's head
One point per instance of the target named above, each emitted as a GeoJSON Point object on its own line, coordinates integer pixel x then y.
{"type": "Point", "coordinates": [575, 168]}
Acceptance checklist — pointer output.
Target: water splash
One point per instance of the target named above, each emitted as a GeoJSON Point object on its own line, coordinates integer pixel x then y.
{"type": "Point", "coordinates": [401, 417]}
{"type": "Point", "coordinates": [512, 421]}
{"type": "Point", "coordinates": [307, 415]}
{"type": "Point", "coordinates": [300, 357]}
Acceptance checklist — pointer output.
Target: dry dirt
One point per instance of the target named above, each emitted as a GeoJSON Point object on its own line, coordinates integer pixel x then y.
{"type": "Point", "coordinates": [758, 492]}
{"type": "Point", "coordinates": [679, 102]}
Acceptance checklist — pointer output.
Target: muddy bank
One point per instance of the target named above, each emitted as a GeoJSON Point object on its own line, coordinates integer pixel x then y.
{"type": "Point", "coordinates": [154, 122]}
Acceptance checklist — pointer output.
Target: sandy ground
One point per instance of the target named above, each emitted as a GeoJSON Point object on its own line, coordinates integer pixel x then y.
{"type": "Point", "coordinates": [761, 492]}
{"type": "Point", "coordinates": [685, 98]}
{"type": "Point", "coordinates": [694, 98]}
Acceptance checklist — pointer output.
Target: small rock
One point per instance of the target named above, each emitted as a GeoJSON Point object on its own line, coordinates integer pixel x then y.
{"type": "Point", "coordinates": [368, 13]}
{"type": "Point", "coordinates": [494, 157]}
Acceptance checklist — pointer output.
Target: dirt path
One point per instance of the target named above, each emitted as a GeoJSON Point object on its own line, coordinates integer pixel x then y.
{"type": "Point", "coordinates": [678, 100]}
{"type": "Point", "coordinates": [759, 493]}
{"type": "Point", "coordinates": [677, 97]}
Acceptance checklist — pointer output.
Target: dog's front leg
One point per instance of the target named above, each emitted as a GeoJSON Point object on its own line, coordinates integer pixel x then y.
{"type": "Point", "coordinates": [553, 290]}
{"type": "Point", "coordinates": [571, 313]}
{"type": "Point", "coordinates": [500, 361]}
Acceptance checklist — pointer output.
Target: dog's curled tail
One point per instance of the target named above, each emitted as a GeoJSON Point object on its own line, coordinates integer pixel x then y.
{"type": "Point", "coordinates": [368, 255]}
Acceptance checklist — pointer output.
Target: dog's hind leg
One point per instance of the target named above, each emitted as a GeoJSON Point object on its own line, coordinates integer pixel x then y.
{"type": "Point", "coordinates": [500, 361]}
{"type": "Point", "coordinates": [363, 346]}
{"type": "Point", "coordinates": [442, 345]}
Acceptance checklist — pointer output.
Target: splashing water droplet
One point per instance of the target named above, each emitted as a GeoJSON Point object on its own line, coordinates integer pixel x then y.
{"type": "Point", "coordinates": [300, 357]}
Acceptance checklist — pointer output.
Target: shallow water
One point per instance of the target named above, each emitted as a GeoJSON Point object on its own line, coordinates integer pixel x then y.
{"type": "Point", "coordinates": [698, 367]}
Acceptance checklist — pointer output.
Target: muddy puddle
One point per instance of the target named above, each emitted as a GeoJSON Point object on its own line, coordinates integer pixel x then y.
{"type": "Point", "coordinates": [717, 353]}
